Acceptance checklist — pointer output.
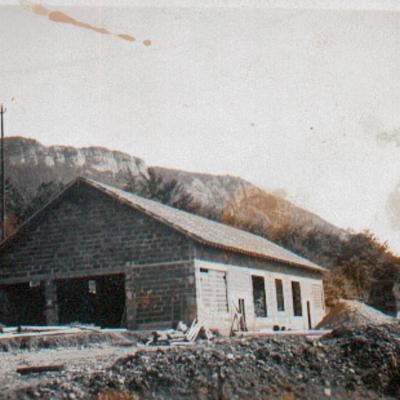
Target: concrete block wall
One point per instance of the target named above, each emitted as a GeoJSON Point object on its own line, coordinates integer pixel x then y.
{"type": "Point", "coordinates": [87, 233]}
{"type": "Point", "coordinates": [160, 295]}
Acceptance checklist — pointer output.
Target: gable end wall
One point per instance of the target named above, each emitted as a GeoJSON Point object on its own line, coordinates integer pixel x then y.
{"type": "Point", "coordinates": [88, 233]}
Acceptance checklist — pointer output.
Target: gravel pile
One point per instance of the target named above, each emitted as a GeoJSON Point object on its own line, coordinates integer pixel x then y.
{"type": "Point", "coordinates": [352, 313]}
{"type": "Point", "coordinates": [362, 363]}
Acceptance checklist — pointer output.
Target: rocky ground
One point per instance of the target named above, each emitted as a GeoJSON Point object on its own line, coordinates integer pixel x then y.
{"type": "Point", "coordinates": [348, 363]}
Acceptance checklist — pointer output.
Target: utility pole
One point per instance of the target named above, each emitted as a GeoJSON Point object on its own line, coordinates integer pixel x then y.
{"type": "Point", "coordinates": [3, 178]}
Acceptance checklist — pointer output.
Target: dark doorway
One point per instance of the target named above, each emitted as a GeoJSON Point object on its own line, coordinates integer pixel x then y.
{"type": "Point", "coordinates": [96, 300]}
{"type": "Point", "coordinates": [23, 304]}
{"type": "Point", "coordinates": [309, 315]}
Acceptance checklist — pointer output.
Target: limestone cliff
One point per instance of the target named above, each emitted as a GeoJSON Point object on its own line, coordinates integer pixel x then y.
{"type": "Point", "coordinates": [236, 201]}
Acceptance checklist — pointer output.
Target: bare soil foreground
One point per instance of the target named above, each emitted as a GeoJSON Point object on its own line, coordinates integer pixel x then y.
{"type": "Point", "coordinates": [348, 363]}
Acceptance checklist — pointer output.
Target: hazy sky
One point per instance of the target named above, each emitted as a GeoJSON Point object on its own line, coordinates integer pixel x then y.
{"type": "Point", "coordinates": [289, 95]}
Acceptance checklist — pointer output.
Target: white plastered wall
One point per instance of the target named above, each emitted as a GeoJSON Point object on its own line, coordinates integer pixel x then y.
{"type": "Point", "coordinates": [239, 285]}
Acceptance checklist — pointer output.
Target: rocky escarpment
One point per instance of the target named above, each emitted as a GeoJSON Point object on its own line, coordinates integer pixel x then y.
{"type": "Point", "coordinates": [232, 199]}
{"type": "Point", "coordinates": [29, 163]}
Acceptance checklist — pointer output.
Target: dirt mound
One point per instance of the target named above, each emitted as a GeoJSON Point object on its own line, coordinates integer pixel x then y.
{"type": "Point", "coordinates": [352, 313]}
{"type": "Point", "coordinates": [361, 363]}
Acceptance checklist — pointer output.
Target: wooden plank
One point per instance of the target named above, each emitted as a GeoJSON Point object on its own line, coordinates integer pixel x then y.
{"type": "Point", "coordinates": [35, 328]}
{"type": "Point", "coordinates": [40, 369]}
{"type": "Point", "coordinates": [310, 333]}
{"type": "Point", "coordinates": [194, 332]}
{"type": "Point", "coordinates": [70, 331]}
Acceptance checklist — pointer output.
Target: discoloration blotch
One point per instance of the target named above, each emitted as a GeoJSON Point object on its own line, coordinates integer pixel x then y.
{"type": "Point", "coordinates": [39, 9]}
{"type": "Point", "coordinates": [61, 17]}
{"type": "Point", "coordinates": [127, 37]}
{"type": "Point", "coordinates": [58, 16]}
{"type": "Point", "coordinates": [389, 137]}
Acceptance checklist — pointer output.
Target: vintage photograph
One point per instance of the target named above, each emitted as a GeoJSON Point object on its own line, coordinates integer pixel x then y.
{"type": "Point", "coordinates": [200, 199]}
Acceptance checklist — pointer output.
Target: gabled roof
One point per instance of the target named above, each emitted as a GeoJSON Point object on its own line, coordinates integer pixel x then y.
{"type": "Point", "coordinates": [206, 231]}
{"type": "Point", "coordinates": [198, 228]}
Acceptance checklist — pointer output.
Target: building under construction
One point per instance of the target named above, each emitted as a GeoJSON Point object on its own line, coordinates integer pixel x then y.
{"type": "Point", "coordinates": [97, 254]}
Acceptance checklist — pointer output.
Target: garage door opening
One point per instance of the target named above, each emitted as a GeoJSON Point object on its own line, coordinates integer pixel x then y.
{"type": "Point", "coordinates": [23, 304]}
{"type": "Point", "coordinates": [96, 300]}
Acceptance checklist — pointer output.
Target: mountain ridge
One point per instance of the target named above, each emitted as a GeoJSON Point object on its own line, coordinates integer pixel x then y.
{"type": "Point", "coordinates": [236, 201]}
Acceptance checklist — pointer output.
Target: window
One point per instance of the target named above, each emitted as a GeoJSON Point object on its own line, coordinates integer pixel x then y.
{"type": "Point", "coordinates": [260, 305]}
{"type": "Point", "coordinates": [296, 294]}
{"type": "Point", "coordinates": [280, 300]}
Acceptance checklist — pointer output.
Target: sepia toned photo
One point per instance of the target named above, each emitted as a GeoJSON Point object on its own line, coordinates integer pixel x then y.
{"type": "Point", "coordinates": [200, 199]}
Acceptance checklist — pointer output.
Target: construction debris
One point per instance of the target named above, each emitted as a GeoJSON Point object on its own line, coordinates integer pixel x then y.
{"type": "Point", "coordinates": [181, 335]}
{"type": "Point", "coordinates": [347, 364]}
{"type": "Point", "coordinates": [182, 327]}
{"type": "Point", "coordinates": [35, 337]}
{"type": "Point", "coordinates": [194, 331]}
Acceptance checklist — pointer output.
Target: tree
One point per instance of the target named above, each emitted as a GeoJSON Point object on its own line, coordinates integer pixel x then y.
{"type": "Point", "coordinates": [15, 206]}
{"type": "Point", "coordinates": [44, 193]}
{"type": "Point", "coordinates": [156, 187]}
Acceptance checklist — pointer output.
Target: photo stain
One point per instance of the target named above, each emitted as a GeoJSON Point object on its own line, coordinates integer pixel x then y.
{"type": "Point", "coordinates": [61, 17]}
{"type": "Point", "coordinates": [58, 16]}
{"type": "Point", "coordinates": [127, 37]}
{"type": "Point", "coordinates": [39, 9]}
